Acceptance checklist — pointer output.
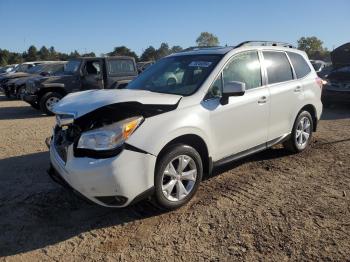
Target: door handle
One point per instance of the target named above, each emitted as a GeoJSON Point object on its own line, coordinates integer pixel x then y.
{"type": "Point", "coordinates": [262, 100]}
{"type": "Point", "coordinates": [297, 89]}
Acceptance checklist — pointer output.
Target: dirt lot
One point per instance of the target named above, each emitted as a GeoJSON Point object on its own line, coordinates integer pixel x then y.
{"type": "Point", "coordinates": [272, 206]}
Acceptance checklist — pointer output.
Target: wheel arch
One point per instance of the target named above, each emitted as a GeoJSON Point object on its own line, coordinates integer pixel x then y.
{"type": "Point", "coordinates": [57, 89]}
{"type": "Point", "coordinates": [312, 110]}
{"type": "Point", "coordinates": [197, 143]}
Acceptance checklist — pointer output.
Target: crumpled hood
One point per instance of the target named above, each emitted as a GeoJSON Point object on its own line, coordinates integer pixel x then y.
{"type": "Point", "coordinates": [81, 103]}
{"type": "Point", "coordinates": [22, 80]}
{"type": "Point", "coordinates": [13, 75]}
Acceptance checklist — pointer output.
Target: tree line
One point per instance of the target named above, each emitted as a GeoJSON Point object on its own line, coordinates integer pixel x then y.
{"type": "Point", "coordinates": [311, 45]}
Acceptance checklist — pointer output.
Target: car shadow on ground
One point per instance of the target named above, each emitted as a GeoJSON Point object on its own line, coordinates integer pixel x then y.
{"type": "Point", "coordinates": [336, 112]}
{"type": "Point", "coordinates": [17, 112]}
{"type": "Point", "coordinates": [35, 212]}
{"type": "Point", "coordinates": [268, 154]}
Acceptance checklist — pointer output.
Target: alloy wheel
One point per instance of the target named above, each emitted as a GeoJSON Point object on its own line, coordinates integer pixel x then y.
{"type": "Point", "coordinates": [303, 132]}
{"type": "Point", "coordinates": [179, 178]}
{"type": "Point", "coordinates": [51, 102]}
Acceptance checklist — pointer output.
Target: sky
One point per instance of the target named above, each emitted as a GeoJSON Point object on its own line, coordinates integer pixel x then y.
{"type": "Point", "coordinates": [99, 26]}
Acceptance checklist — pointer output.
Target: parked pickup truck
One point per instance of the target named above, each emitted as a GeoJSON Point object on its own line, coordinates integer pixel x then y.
{"type": "Point", "coordinates": [80, 74]}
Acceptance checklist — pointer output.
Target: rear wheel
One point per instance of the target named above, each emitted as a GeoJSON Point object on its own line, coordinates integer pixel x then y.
{"type": "Point", "coordinates": [301, 133]}
{"type": "Point", "coordinates": [48, 101]}
{"type": "Point", "coordinates": [178, 174]}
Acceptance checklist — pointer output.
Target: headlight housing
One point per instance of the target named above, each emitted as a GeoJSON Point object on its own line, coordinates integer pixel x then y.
{"type": "Point", "coordinates": [109, 137]}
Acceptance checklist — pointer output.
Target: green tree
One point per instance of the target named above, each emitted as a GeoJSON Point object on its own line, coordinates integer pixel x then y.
{"type": "Point", "coordinates": [4, 57]}
{"type": "Point", "coordinates": [15, 58]}
{"type": "Point", "coordinates": [207, 39]}
{"type": "Point", "coordinates": [313, 46]}
{"type": "Point", "coordinates": [44, 53]}
{"type": "Point", "coordinates": [91, 54]}
{"type": "Point", "coordinates": [32, 54]}
{"type": "Point", "coordinates": [149, 54]}
{"type": "Point", "coordinates": [53, 54]}
{"type": "Point", "coordinates": [74, 54]}
{"type": "Point", "coordinates": [310, 44]}
{"type": "Point", "coordinates": [162, 51]}
{"type": "Point", "coordinates": [176, 49]}
{"type": "Point", "coordinates": [123, 51]}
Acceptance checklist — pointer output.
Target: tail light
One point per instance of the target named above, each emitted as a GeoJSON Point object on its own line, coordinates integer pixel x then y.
{"type": "Point", "coordinates": [320, 82]}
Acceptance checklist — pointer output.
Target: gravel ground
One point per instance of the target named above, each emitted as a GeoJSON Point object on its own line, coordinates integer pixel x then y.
{"type": "Point", "coordinates": [271, 206]}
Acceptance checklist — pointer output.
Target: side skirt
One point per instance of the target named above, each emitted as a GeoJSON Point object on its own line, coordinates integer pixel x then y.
{"type": "Point", "coordinates": [250, 151]}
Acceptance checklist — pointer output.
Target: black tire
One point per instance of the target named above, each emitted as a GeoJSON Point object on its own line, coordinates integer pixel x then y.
{"type": "Point", "coordinates": [35, 106]}
{"type": "Point", "coordinates": [45, 98]}
{"type": "Point", "coordinates": [292, 144]}
{"type": "Point", "coordinates": [168, 156]}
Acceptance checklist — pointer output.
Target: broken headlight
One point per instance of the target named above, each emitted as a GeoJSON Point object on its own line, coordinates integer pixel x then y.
{"type": "Point", "coordinates": [109, 137]}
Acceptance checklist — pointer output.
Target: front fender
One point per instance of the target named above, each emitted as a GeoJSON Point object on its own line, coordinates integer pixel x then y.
{"type": "Point", "coordinates": [156, 132]}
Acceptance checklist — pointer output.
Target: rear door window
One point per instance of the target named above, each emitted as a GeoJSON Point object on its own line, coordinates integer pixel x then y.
{"type": "Point", "coordinates": [301, 67]}
{"type": "Point", "coordinates": [278, 67]}
{"type": "Point", "coordinates": [121, 67]}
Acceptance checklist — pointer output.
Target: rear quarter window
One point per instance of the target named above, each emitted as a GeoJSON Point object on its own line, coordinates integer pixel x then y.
{"type": "Point", "coordinates": [301, 67]}
{"type": "Point", "coordinates": [121, 66]}
{"type": "Point", "coordinates": [277, 66]}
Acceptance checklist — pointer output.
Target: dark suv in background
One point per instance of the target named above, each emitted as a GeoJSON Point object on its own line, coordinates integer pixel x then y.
{"type": "Point", "coordinates": [16, 86]}
{"type": "Point", "coordinates": [80, 74]}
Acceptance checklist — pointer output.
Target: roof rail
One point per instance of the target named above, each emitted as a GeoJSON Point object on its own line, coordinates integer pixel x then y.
{"type": "Point", "coordinates": [265, 43]}
{"type": "Point", "coordinates": [196, 48]}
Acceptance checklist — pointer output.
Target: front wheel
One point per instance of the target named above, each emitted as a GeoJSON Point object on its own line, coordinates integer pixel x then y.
{"type": "Point", "coordinates": [301, 133]}
{"type": "Point", "coordinates": [178, 174]}
{"type": "Point", "coordinates": [48, 101]}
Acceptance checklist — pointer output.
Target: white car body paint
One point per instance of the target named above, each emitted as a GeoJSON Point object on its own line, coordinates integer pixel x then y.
{"type": "Point", "coordinates": [228, 129]}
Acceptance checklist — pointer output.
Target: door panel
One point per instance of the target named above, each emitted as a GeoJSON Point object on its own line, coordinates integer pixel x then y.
{"type": "Point", "coordinates": [241, 124]}
{"type": "Point", "coordinates": [284, 102]}
{"type": "Point", "coordinates": [93, 78]}
{"type": "Point", "coordinates": [285, 93]}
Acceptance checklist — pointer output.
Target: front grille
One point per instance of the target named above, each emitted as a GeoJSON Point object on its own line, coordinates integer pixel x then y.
{"type": "Point", "coordinates": [63, 138]}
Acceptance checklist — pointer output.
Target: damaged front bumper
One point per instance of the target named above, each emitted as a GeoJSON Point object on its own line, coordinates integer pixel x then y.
{"type": "Point", "coordinates": [110, 182]}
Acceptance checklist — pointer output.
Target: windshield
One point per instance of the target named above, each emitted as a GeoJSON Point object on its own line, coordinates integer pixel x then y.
{"type": "Point", "coordinates": [22, 68]}
{"type": "Point", "coordinates": [181, 75]}
{"type": "Point", "coordinates": [72, 66]}
{"type": "Point", "coordinates": [35, 69]}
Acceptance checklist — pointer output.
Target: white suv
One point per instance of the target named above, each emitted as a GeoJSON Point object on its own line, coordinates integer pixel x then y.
{"type": "Point", "coordinates": [157, 138]}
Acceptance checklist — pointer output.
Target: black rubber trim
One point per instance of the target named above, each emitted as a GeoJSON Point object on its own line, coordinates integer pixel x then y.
{"type": "Point", "coordinates": [79, 152]}
{"type": "Point", "coordinates": [112, 200]}
{"type": "Point", "coordinates": [250, 151]}
{"type": "Point", "coordinates": [135, 149]}
{"type": "Point", "coordinates": [240, 155]}
{"type": "Point", "coordinates": [148, 193]}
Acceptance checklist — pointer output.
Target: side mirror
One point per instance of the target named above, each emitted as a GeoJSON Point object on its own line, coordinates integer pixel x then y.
{"type": "Point", "coordinates": [232, 88]}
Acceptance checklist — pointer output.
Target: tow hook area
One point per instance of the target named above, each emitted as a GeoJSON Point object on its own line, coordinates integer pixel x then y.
{"type": "Point", "coordinates": [48, 141]}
